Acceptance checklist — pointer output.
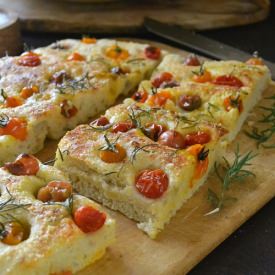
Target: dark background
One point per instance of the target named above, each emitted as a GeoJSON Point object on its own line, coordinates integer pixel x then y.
{"type": "Point", "coordinates": [251, 249]}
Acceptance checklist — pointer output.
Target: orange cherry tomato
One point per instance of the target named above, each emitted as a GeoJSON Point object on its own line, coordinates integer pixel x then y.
{"type": "Point", "coordinates": [75, 57]}
{"type": "Point", "coordinates": [88, 40]}
{"type": "Point", "coordinates": [255, 61]}
{"type": "Point", "coordinates": [24, 165]}
{"type": "Point", "coordinates": [102, 121]}
{"type": "Point", "coordinates": [164, 77]}
{"type": "Point", "coordinates": [16, 127]}
{"type": "Point", "coordinates": [203, 77]}
{"type": "Point", "coordinates": [152, 183]}
{"type": "Point", "coordinates": [13, 101]}
{"type": "Point", "coordinates": [27, 92]}
{"type": "Point", "coordinates": [199, 137]}
{"type": "Point", "coordinates": [117, 53]}
{"type": "Point", "coordinates": [172, 139]}
{"type": "Point", "coordinates": [152, 52]}
{"type": "Point", "coordinates": [29, 59]}
{"type": "Point", "coordinates": [153, 130]}
{"type": "Point", "coordinates": [57, 191]}
{"type": "Point", "coordinates": [89, 219]}
{"type": "Point", "coordinates": [123, 127]}
{"type": "Point", "coordinates": [113, 156]}
{"type": "Point", "coordinates": [13, 233]}
{"type": "Point", "coordinates": [159, 99]}
{"type": "Point", "coordinates": [140, 96]}
{"type": "Point", "coordinates": [228, 80]}
{"type": "Point", "coordinates": [68, 110]}
{"type": "Point", "coordinates": [192, 60]}
{"type": "Point", "coordinates": [231, 102]}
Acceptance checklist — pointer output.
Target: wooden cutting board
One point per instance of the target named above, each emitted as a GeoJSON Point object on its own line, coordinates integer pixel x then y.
{"type": "Point", "coordinates": [190, 235]}
{"type": "Point", "coordinates": [124, 16]}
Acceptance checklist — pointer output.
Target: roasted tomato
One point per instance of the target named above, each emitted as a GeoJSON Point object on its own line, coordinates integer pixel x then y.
{"type": "Point", "coordinates": [57, 191]}
{"type": "Point", "coordinates": [68, 110]}
{"type": "Point", "coordinates": [152, 52]}
{"type": "Point", "coordinates": [117, 53]}
{"type": "Point", "coordinates": [172, 139]}
{"type": "Point", "coordinates": [111, 156]}
{"type": "Point", "coordinates": [233, 102]}
{"type": "Point", "coordinates": [28, 91]}
{"type": "Point", "coordinates": [159, 99]}
{"type": "Point", "coordinates": [164, 77]}
{"type": "Point", "coordinates": [88, 40]}
{"type": "Point", "coordinates": [89, 219]}
{"type": "Point", "coordinates": [59, 77]}
{"type": "Point", "coordinates": [255, 60]}
{"type": "Point", "coordinates": [13, 101]}
{"type": "Point", "coordinates": [192, 60]}
{"type": "Point", "coordinates": [153, 130]}
{"type": "Point", "coordinates": [228, 80]}
{"type": "Point", "coordinates": [190, 102]}
{"type": "Point", "coordinates": [29, 59]}
{"type": "Point", "coordinates": [13, 233]}
{"type": "Point", "coordinates": [152, 183]}
{"type": "Point", "coordinates": [16, 127]}
{"type": "Point", "coordinates": [24, 165]}
{"type": "Point", "coordinates": [202, 77]}
{"type": "Point", "coordinates": [140, 96]}
{"type": "Point", "coordinates": [102, 121]}
{"type": "Point", "coordinates": [75, 57]}
{"type": "Point", "coordinates": [199, 137]}
{"type": "Point", "coordinates": [123, 127]}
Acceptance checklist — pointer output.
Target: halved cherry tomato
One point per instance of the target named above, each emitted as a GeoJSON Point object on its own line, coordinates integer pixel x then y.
{"type": "Point", "coordinates": [152, 52]}
{"type": "Point", "coordinates": [29, 59]}
{"type": "Point", "coordinates": [172, 139]}
{"type": "Point", "coordinates": [123, 127]}
{"type": "Point", "coordinates": [152, 183]}
{"type": "Point", "coordinates": [60, 77]}
{"type": "Point", "coordinates": [160, 79]}
{"type": "Point", "coordinates": [203, 77]}
{"type": "Point", "coordinates": [140, 96]}
{"type": "Point", "coordinates": [13, 233]}
{"type": "Point", "coordinates": [255, 61]}
{"type": "Point", "coordinates": [159, 99]}
{"type": "Point", "coordinates": [89, 219]}
{"type": "Point", "coordinates": [68, 110]}
{"type": "Point", "coordinates": [13, 101]}
{"type": "Point", "coordinates": [231, 102]}
{"type": "Point", "coordinates": [113, 156]}
{"type": "Point", "coordinates": [192, 60]}
{"type": "Point", "coordinates": [16, 127]}
{"type": "Point", "coordinates": [24, 165]}
{"type": "Point", "coordinates": [102, 121]}
{"type": "Point", "coordinates": [75, 57]}
{"type": "Point", "coordinates": [228, 80]}
{"type": "Point", "coordinates": [57, 191]}
{"type": "Point", "coordinates": [88, 40]}
{"type": "Point", "coordinates": [189, 102]}
{"type": "Point", "coordinates": [26, 92]}
{"type": "Point", "coordinates": [117, 53]}
{"type": "Point", "coordinates": [153, 130]}
{"type": "Point", "coordinates": [199, 137]}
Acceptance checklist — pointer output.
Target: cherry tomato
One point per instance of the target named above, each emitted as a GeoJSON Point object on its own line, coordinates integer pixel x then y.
{"type": "Point", "coordinates": [172, 139]}
{"type": "Point", "coordinates": [16, 127]}
{"type": "Point", "coordinates": [88, 40]}
{"type": "Point", "coordinates": [203, 77]}
{"type": "Point", "coordinates": [13, 101]}
{"type": "Point", "coordinates": [24, 165]}
{"type": "Point", "coordinates": [255, 61]}
{"type": "Point", "coordinates": [192, 60]}
{"type": "Point", "coordinates": [160, 79]}
{"type": "Point", "coordinates": [75, 57]}
{"type": "Point", "coordinates": [228, 80]}
{"type": "Point", "coordinates": [89, 219]}
{"type": "Point", "coordinates": [152, 52]}
{"type": "Point", "coordinates": [123, 127]}
{"type": "Point", "coordinates": [159, 99]}
{"type": "Point", "coordinates": [152, 183]}
{"type": "Point", "coordinates": [57, 191]}
{"type": "Point", "coordinates": [59, 77]}
{"type": "Point", "coordinates": [153, 130]}
{"type": "Point", "coordinates": [68, 110]}
{"type": "Point", "coordinates": [29, 59]}
{"type": "Point", "coordinates": [26, 92]}
{"type": "Point", "coordinates": [111, 156]}
{"type": "Point", "coordinates": [199, 137]}
{"type": "Point", "coordinates": [140, 96]}
{"type": "Point", "coordinates": [231, 102]}
{"type": "Point", "coordinates": [189, 102]}
{"type": "Point", "coordinates": [14, 233]}
{"type": "Point", "coordinates": [102, 121]}
{"type": "Point", "coordinates": [117, 53]}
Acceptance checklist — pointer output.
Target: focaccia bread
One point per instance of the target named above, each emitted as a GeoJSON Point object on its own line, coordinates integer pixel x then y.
{"type": "Point", "coordinates": [53, 89]}
{"type": "Point", "coordinates": [44, 227]}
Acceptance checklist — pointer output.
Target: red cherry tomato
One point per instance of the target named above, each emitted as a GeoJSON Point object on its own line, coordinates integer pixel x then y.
{"type": "Point", "coordinates": [172, 139]}
{"type": "Point", "coordinates": [89, 219]}
{"type": "Point", "coordinates": [68, 110]}
{"type": "Point", "coordinates": [192, 60]}
{"type": "Point", "coordinates": [151, 183]}
{"type": "Point", "coordinates": [164, 77]}
{"type": "Point", "coordinates": [140, 96]}
{"type": "Point", "coordinates": [102, 121]}
{"type": "Point", "coordinates": [228, 80]}
{"type": "Point", "coordinates": [199, 137]}
{"type": "Point", "coordinates": [152, 52]}
{"type": "Point", "coordinates": [153, 131]}
{"type": "Point", "coordinates": [29, 59]}
{"type": "Point", "coordinates": [190, 102]}
{"type": "Point", "coordinates": [123, 127]}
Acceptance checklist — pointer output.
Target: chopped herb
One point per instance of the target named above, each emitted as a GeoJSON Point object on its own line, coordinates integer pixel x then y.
{"type": "Point", "coordinates": [203, 154]}
{"type": "Point", "coordinates": [4, 120]}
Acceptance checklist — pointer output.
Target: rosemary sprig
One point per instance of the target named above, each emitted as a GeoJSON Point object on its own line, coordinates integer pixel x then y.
{"type": "Point", "coordinates": [212, 106]}
{"type": "Point", "coordinates": [201, 70]}
{"type": "Point", "coordinates": [61, 154]}
{"type": "Point", "coordinates": [109, 146]}
{"type": "Point", "coordinates": [4, 94]}
{"type": "Point", "coordinates": [101, 128]}
{"type": "Point", "coordinates": [4, 120]}
{"type": "Point", "coordinates": [68, 203]}
{"type": "Point", "coordinates": [227, 174]}
{"type": "Point", "coordinates": [138, 149]}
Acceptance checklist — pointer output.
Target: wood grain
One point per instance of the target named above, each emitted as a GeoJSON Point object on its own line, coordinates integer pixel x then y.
{"type": "Point", "coordinates": [190, 235]}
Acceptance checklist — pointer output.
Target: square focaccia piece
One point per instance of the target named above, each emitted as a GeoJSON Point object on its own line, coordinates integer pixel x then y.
{"type": "Point", "coordinates": [140, 161]}
{"type": "Point", "coordinates": [71, 86]}
{"type": "Point", "coordinates": [44, 227]}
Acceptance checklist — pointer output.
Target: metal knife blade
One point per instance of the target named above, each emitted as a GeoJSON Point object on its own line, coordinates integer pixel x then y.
{"type": "Point", "coordinates": [200, 43]}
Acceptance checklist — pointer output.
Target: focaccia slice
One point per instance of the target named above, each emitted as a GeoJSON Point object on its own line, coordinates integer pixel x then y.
{"type": "Point", "coordinates": [45, 227]}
